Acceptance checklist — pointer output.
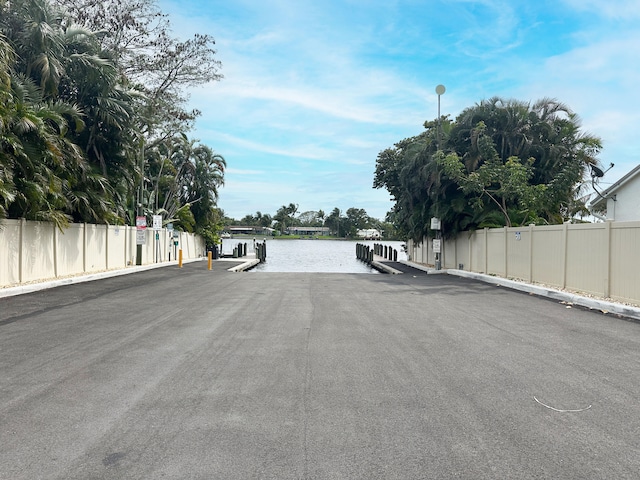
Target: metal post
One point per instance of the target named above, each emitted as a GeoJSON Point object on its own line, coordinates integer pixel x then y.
{"type": "Point", "coordinates": [139, 209]}
{"type": "Point", "coordinates": [440, 89]}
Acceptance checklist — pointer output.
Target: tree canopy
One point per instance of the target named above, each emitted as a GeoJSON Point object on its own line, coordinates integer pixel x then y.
{"type": "Point", "coordinates": [93, 118]}
{"type": "Point", "coordinates": [501, 162]}
{"type": "Point", "coordinates": [341, 224]}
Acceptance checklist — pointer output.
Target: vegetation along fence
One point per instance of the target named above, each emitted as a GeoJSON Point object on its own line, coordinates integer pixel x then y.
{"type": "Point", "coordinates": [34, 251]}
{"type": "Point", "coordinates": [596, 258]}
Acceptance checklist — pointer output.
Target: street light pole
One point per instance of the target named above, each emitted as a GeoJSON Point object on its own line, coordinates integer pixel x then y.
{"type": "Point", "coordinates": [139, 211]}
{"type": "Point", "coordinates": [440, 89]}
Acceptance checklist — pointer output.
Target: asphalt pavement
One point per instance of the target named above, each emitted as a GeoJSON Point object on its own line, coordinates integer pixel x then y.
{"type": "Point", "coordinates": [195, 374]}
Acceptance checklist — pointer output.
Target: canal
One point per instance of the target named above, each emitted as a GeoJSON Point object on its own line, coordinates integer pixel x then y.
{"type": "Point", "coordinates": [311, 255]}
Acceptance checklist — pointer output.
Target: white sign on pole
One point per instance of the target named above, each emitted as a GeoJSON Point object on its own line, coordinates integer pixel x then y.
{"type": "Point", "coordinates": [141, 237]}
{"type": "Point", "coordinates": [436, 245]}
{"type": "Point", "coordinates": [435, 223]}
{"type": "Point", "coordinates": [157, 222]}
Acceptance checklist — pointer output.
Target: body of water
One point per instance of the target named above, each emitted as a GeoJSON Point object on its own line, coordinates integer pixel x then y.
{"type": "Point", "coordinates": [312, 255]}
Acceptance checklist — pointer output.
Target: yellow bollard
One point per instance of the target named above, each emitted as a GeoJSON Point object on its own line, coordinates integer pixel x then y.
{"type": "Point", "coordinates": [180, 258]}
{"type": "Point", "coordinates": [209, 260]}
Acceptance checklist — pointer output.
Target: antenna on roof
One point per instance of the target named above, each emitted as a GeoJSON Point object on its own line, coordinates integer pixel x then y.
{"type": "Point", "coordinates": [597, 173]}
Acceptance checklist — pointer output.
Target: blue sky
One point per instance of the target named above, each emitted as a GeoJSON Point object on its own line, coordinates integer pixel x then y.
{"type": "Point", "coordinates": [314, 90]}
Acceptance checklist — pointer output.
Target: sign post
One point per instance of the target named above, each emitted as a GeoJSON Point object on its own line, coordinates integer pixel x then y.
{"type": "Point", "coordinates": [170, 231]}
{"type": "Point", "coordinates": [157, 226]}
{"type": "Point", "coordinates": [141, 236]}
{"type": "Point", "coordinates": [437, 242]}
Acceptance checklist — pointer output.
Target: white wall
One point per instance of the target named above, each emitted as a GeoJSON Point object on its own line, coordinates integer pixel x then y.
{"type": "Point", "coordinates": [597, 258]}
{"type": "Point", "coordinates": [624, 206]}
{"type": "Point", "coordinates": [32, 251]}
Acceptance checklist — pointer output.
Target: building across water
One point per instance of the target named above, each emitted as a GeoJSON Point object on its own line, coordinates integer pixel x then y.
{"type": "Point", "coordinates": [308, 231]}
{"type": "Point", "coordinates": [249, 230]}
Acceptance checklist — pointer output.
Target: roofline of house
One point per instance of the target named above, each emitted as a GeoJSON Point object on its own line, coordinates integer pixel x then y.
{"type": "Point", "coordinates": [613, 188]}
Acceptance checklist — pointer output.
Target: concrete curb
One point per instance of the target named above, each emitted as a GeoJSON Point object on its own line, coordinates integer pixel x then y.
{"type": "Point", "coordinates": [36, 287]}
{"type": "Point", "coordinates": [381, 267]}
{"type": "Point", "coordinates": [243, 267]}
{"type": "Point", "coordinates": [570, 298]}
{"type": "Point", "coordinates": [424, 268]}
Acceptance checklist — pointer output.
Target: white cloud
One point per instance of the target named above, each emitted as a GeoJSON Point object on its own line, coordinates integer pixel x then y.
{"type": "Point", "coordinates": [298, 151]}
{"type": "Point", "coordinates": [314, 90]}
{"type": "Point", "coordinates": [613, 9]}
{"type": "Point", "coordinates": [237, 171]}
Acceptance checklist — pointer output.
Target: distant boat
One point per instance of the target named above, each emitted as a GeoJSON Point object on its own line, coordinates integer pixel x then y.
{"type": "Point", "coordinates": [369, 234]}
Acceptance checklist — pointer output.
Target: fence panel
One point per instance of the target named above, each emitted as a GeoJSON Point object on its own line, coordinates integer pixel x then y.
{"type": "Point", "coordinates": [10, 251]}
{"type": "Point", "coordinates": [456, 252]}
{"type": "Point", "coordinates": [116, 255]}
{"type": "Point", "coordinates": [95, 247]}
{"type": "Point", "coordinates": [547, 262]}
{"type": "Point", "coordinates": [33, 251]}
{"type": "Point", "coordinates": [587, 258]}
{"type": "Point", "coordinates": [464, 250]}
{"type": "Point", "coordinates": [518, 253]}
{"type": "Point", "coordinates": [625, 261]}
{"type": "Point", "coordinates": [70, 250]}
{"type": "Point", "coordinates": [598, 258]}
{"type": "Point", "coordinates": [478, 251]}
{"type": "Point", "coordinates": [37, 251]}
{"type": "Point", "coordinates": [495, 251]}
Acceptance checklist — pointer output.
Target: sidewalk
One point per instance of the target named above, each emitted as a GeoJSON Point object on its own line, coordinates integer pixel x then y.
{"type": "Point", "coordinates": [233, 265]}
{"type": "Point", "coordinates": [569, 298]}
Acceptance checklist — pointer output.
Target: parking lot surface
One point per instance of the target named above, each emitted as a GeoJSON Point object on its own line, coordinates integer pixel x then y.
{"type": "Point", "coordinates": [189, 373]}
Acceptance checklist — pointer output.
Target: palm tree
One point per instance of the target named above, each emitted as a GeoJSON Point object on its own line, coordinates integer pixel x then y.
{"type": "Point", "coordinates": [186, 177]}
{"type": "Point", "coordinates": [35, 28]}
{"type": "Point", "coordinates": [93, 83]}
{"type": "Point", "coordinates": [333, 220]}
{"type": "Point", "coordinates": [208, 177]}
{"type": "Point", "coordinates": [321, 216]}
{"type": "Point", "coordinates": [60, 70]}
{"type": "Point", "coordinates": [7, 140]}
{"type": "Point", "coordinates": [43, 157]}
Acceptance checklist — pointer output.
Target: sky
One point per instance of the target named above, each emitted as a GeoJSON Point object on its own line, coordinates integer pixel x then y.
{"type": "Point", "coordinates": [313, 90]}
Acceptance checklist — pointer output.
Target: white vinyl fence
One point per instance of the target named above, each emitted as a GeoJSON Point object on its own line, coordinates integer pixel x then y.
{"type": "Point", "coordinates": [596, 258]}
{"type": "Point", "coordinates": [32, 251]}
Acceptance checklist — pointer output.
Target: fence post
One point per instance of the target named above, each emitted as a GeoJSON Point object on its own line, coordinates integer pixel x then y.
{"type": "Point", "coordinates": [23, 224]}
{"type": "Point", "coordinates": [455, 252]}
{"type": "Point", "coordinates": [471, 239]}
{"type": "Point", "coordinates": [106, 246]}
{"type": "Point", "coordinates": [565, 241]}
{"type": "Point", "coordinates": [506, 252]}
{"type": "Point", "coordinates": [84, 248]}
{"type": "Point", "coordinates": [425, 245]}
{"type": "Point", "coordinates": [486, 250]}
{"type": "Point", "coordinates": [55, 250]}
{"type": "Point", "coordinates": [530, 252]}
{"type": "Point", "coordinates": [607, 271]}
